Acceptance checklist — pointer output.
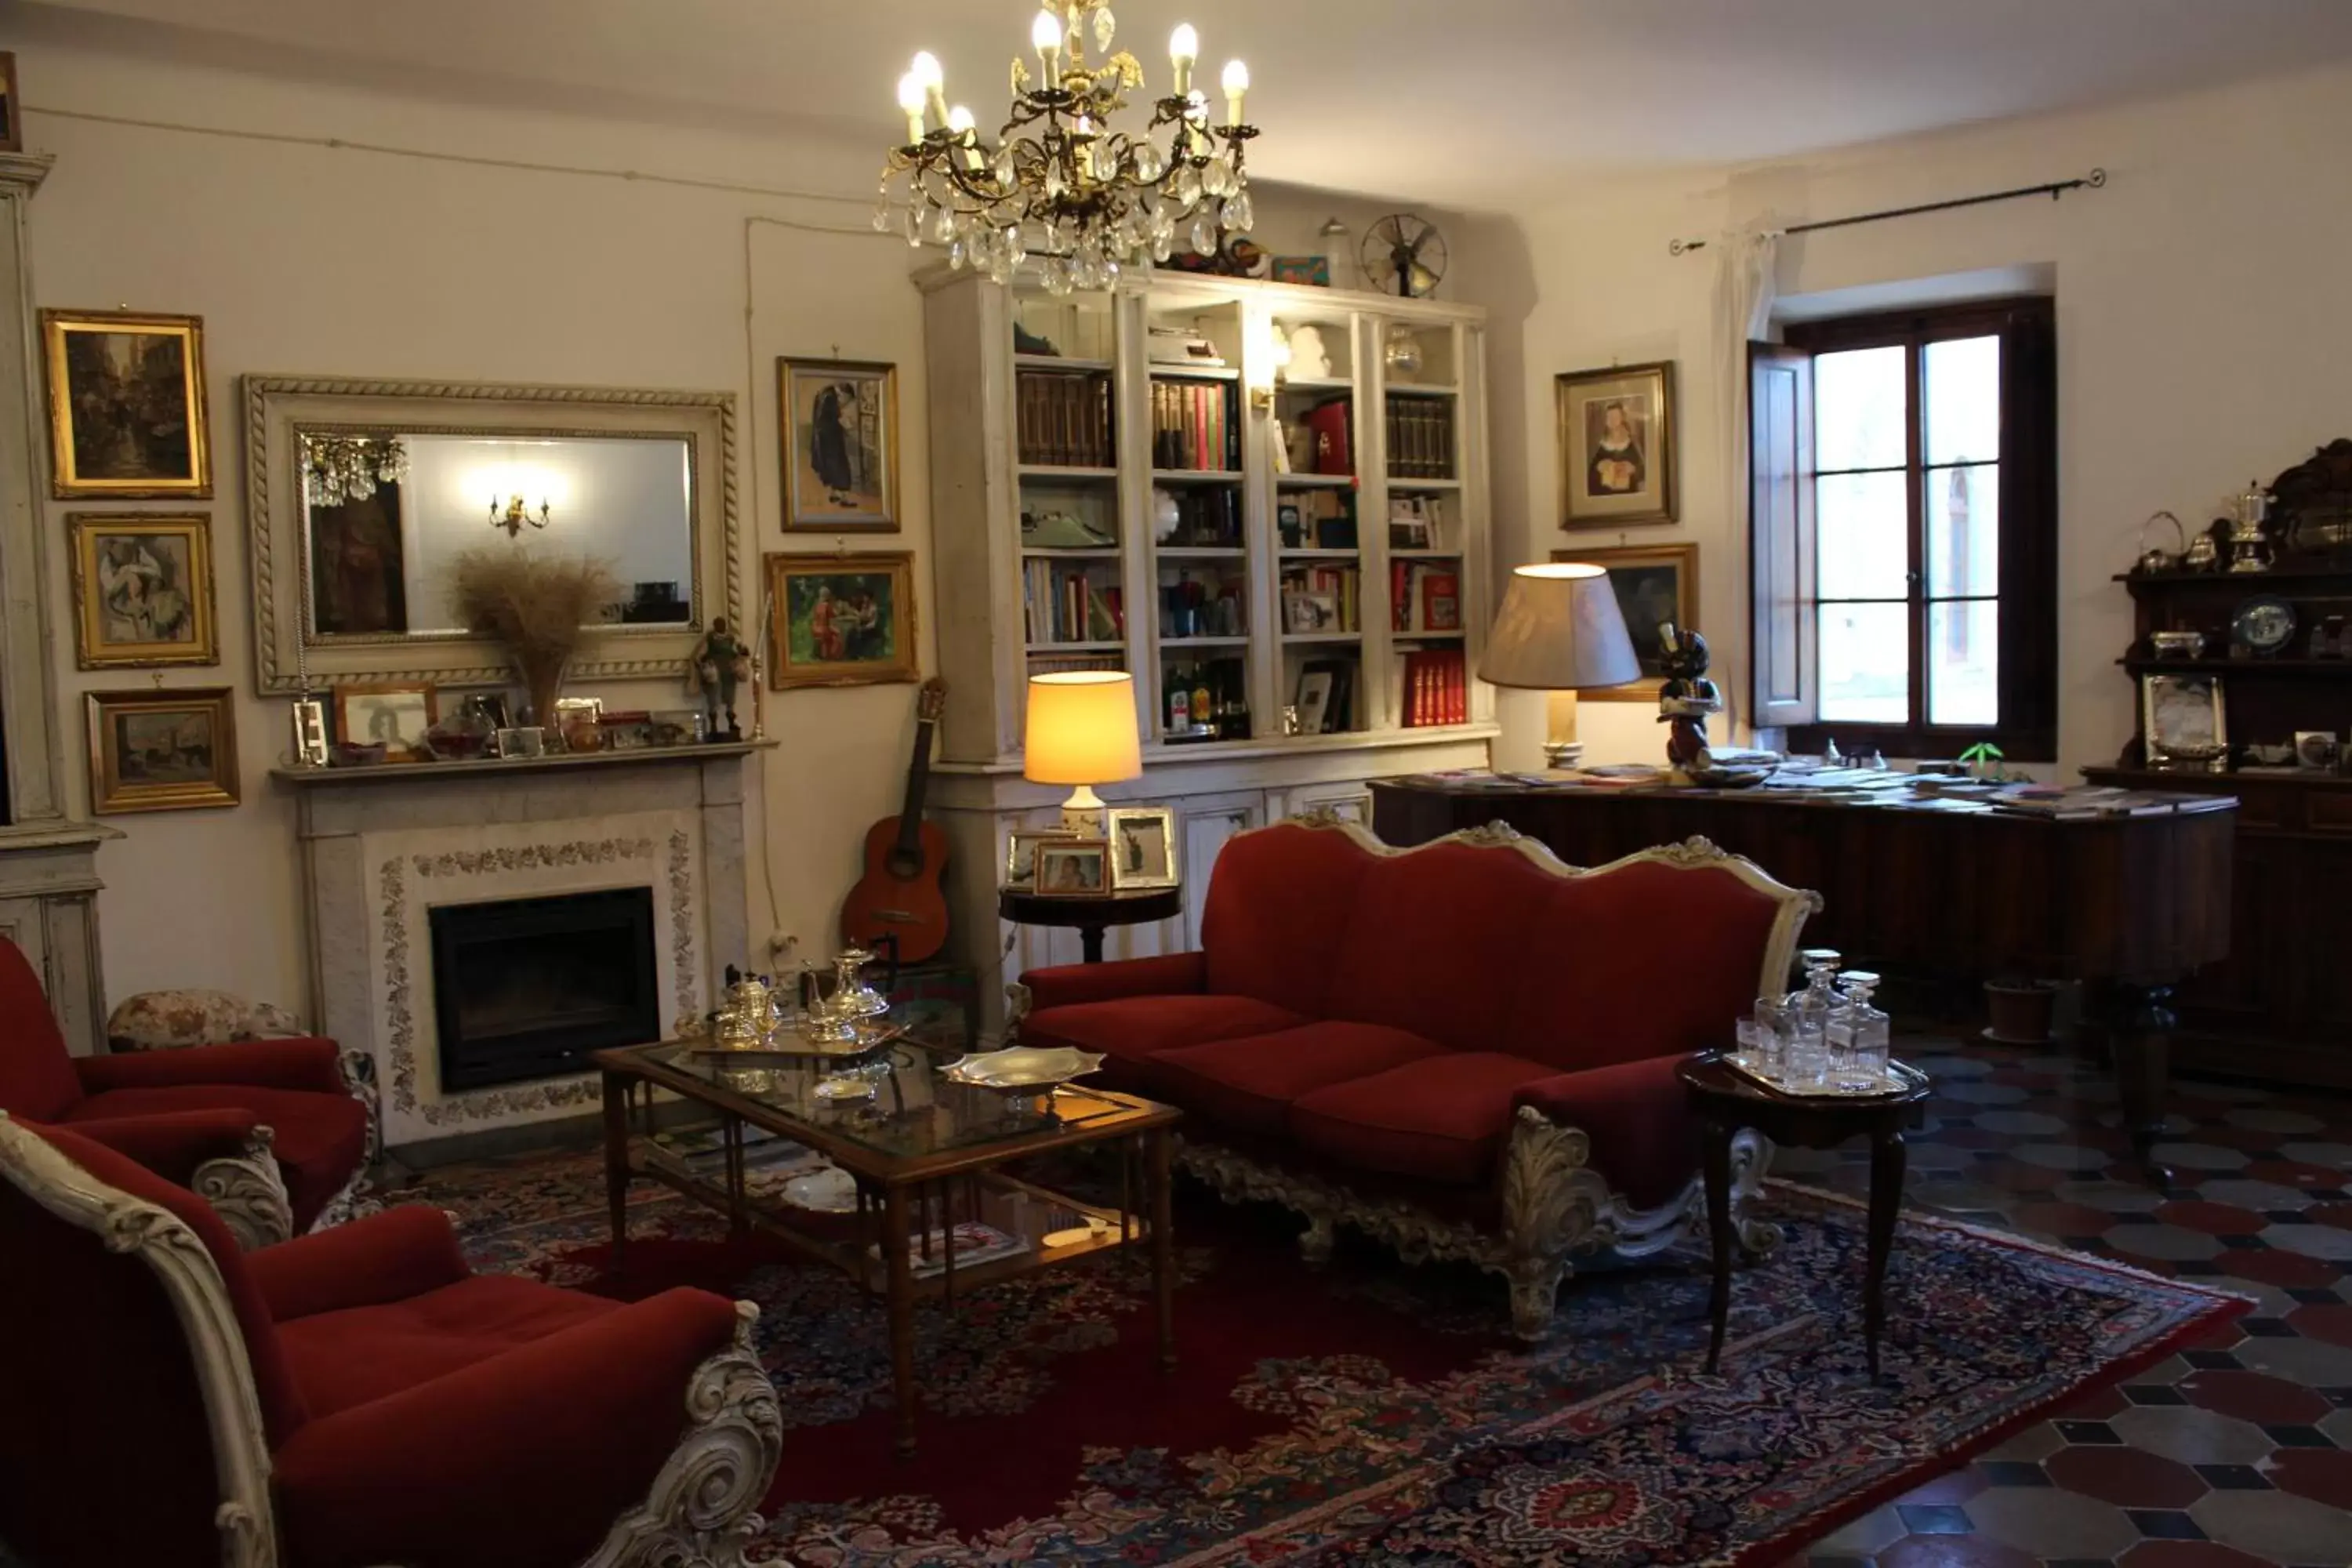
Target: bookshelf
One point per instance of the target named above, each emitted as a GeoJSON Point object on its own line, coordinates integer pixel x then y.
{"type": "Point", "coordinates": [1267, 500]}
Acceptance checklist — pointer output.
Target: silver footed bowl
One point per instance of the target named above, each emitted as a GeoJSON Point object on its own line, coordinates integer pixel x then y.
{"type": "Point", "coordinates": [1021, 1069]}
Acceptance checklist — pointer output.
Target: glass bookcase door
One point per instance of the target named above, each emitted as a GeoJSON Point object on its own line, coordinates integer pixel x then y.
{"type": "Point", "coordinates": [1314, 447]}
{"type": "Point", "coordinates": [1426, 529]}
{"type": "Point", "coordinates": [1198, 520]}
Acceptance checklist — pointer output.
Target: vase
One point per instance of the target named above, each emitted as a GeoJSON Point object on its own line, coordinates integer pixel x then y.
{"type": "Point", "coordinates": [2021, 1011]}
{"type": "Point", "coordinates": [543, 683]}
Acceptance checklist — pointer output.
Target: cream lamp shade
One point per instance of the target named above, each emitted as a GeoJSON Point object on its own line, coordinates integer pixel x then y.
{"type": "Point", "coordinates": [1081, 732]}
{"type": "Point", "coordinates": [1558, 630]}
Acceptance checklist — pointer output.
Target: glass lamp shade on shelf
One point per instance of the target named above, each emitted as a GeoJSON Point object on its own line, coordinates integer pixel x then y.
{"type": "Point", "coordinates": [1082, 732]}
{"type": "Point", "coordinates": [1560, 630]}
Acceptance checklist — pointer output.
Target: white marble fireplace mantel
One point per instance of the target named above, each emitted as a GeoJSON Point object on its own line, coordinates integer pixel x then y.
{"type": "Point", "coordinates": [382, 846]}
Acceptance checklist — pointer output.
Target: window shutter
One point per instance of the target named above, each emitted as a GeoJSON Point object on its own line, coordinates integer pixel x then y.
{"type": "Point", "coordinates": [1785, 652]}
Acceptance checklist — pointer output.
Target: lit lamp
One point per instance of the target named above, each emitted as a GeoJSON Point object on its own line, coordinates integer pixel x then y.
{"type": "Point", "coordinates": [1081, 732]}
{"type": "Point", "coordinates": [1560, 630]}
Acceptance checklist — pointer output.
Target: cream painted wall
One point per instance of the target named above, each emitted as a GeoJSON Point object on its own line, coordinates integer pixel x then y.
{"type": "Point", "coordinates": [2202, 329]}
{"type": "Point", "coordinates": [345, 262]}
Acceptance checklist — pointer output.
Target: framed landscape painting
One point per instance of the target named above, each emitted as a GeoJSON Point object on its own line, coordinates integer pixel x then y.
{"type": "Point", "coordinates": [1617, 446]}
{"type": "Point", "coordinates": [840, 440]}
{"type": "Point", "coordinates": [126, 406]}
{"type": "Point", "coordinates": [841, 620]}
{"type": "Point", "coordinates": [1653, 582]}
{"type": "Point", "coordinates": [143, 590]}
{"type": "Point", "coordinates": [158, 750]}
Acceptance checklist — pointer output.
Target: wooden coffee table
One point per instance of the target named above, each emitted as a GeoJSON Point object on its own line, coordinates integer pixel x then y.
{"type": "Point", "coordinates": [925, 1155]}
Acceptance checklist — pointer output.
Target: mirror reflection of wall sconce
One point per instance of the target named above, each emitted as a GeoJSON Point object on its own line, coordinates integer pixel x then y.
{"type": "Point", "coordinates": [514, 514]}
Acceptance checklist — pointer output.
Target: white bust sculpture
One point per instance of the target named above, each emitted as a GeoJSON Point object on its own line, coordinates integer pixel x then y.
{"type": "Point", "coordinates": [1309, 359]}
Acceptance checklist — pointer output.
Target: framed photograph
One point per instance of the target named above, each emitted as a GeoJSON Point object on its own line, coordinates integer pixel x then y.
{"type": "Point", "coordinates": [154, 749]}
{"type": "Point", "coordinates": [1653, 582]}
{"type": "Point", "coordinates": [1021, 854]}
{"type": "Point", "coordinates": [2184, 720]}
{"type": "Point", "coordinates": [1072, 868]}
{"type": "Point", "coordinates": [12, 128]}
{"type": "Point", "coordinates": [841, 620]}
{"type": "Point", "coordinates": [396, 715]}
{"type": "Point", "coordinates": [840, 441]}
{"type": "Point", "coordinates": [1313, 271]}
{"type": "Point", "coordinates": [1314, 700]}
{"type": "Point", "coordinates": [309, 722]}
{"type": "Point", "coordinates": [143, 590]}
{"type": "Point", "coordinates": [126, 406]}
{"type": "Point", "coordinates": [2315, 749]}
{"type": "Point", "coordinates": [1143, 848]}
{"type": "Point", "coordinates": [1617, 446]}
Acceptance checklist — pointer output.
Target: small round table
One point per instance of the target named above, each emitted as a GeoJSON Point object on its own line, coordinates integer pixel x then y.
{"type": "Point", "coordinates": [1091, 913]}
{"type": "Point", "coordinates": [1727, 1100]}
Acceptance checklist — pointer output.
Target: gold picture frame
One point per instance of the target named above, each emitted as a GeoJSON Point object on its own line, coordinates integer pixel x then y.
{"type": "Point", "coordinates": [1143, 851]}
{"type": "Point", "coordinates": [1021, 854]}
{"type": "Point", "coordinates": [1645, 578]}
{"type": "Point", "coordinates": [142, 588]}
{"type": "Point", "coordinates": [126, 406]}
{"type": "Point", "coordinates": [1616, 430]}
{"type": "Point", "coordinates": [158, 748]}
{"type": "Point", "coordinates": [842, 620]}
{"type": "Point", "coordinates": [398, 714]}
{"type": "Point", "coordinates": [837, 430]}
{"type": "Point", "coordinates": [1072, 868]}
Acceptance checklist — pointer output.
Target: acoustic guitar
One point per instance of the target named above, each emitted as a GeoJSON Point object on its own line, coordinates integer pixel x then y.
{"type": "Point", "coordinates": [898, 901]}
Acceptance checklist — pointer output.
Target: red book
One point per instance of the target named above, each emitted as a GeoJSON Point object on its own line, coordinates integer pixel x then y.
{"type": "Point", "coordinates": [1329, 423]}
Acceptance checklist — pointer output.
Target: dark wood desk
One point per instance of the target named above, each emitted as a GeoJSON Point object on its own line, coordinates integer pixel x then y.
{"type": "Point", "coordinates": [2130, 905]}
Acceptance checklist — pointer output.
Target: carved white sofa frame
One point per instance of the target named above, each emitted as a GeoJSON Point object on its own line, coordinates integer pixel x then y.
{"type": "Point", "coordinates": [698, 1511]}
{"type": "Point", "coordinates": [1555, 1206]}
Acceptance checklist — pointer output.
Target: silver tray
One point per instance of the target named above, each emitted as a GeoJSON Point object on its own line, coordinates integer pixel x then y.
{"type": "Point", "coordinates": [791, 1045]}
{"type": "Point", "coordinates": [1901, 1078]}
{"type": "Point", "coordinates": [1021, 1069]}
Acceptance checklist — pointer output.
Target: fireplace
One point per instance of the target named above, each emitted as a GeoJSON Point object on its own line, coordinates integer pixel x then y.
{"type": "Point", "coordinates": [525, 988]}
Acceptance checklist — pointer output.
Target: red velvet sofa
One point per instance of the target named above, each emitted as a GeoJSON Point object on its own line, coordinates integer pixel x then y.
{"type": "Point", "coordinates": [352, 1398]}
{"type": "Point", "coordinates": [319, 1122]}
{"type": "Point", "coordinates": [1467, 1049]}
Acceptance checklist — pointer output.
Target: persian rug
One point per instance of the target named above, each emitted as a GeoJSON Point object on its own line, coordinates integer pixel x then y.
{"type": "Point", "coordinates": [1370, 1413]}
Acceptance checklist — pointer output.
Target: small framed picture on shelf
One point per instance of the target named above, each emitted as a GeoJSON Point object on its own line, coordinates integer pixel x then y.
{"type": "Point", "coordinates": [2315, 749]}
{"type": "Point", "coordinates": [1409, 524]}
{"type": "Point", "coordinates": [155, 749]}
{"type": "Point", "coordinates": [2184, 721]}
{"type": "Point", "coordinates": [1072, 868]}
{"type": "Point", "coordinates": [1291, 524]}
{"type": "Point", "coordinates": [397, 716]}
{"type": "Point", "coordinates": [1617, 446]}
{"type": "Point", "coordinates": [1315, 271]}
{"type": "Point", "coordinates": [1021, 854]}
{"type": "Point", "coordinates": [1314, 700]}
{"type": "Point", "coordinates": [1143, 848]}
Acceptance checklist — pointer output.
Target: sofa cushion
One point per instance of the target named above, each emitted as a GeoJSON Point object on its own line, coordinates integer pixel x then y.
{"type": "Point", "coordinates": [1275, 922]}
{"type": "Point", "coordinates": [1132, 1029]}
{"type": "Point", "coordinates": [1442, 1119]}
{"type": "Point", "coordinates": [364, 1353]}
{"type": "Point", "coordinates": [319, 1138]}
{"type": "Point", "coordinates": [1435, 941]}
{"type": "Point", "coordinates": [38, 1080]}
{"type": "Point", "coordinates": [1668, 959]}
{"type": "Point", "coordinates": [1249, 1083]}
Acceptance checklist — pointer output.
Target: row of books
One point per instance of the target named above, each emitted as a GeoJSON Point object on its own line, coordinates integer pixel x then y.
{"type": "Point", "coordinates": [1421, 437]}
{"type": "Point", "coordinates": [1062, 604]}
{"type": "Point", "coordinates": [1437, 687]}
{"type": "Point", "coordinates": [1192, 426]}
{"type": "Point", "coordinates": [1425, 596]}
{"type": "Point", "coordinates": [1321, 599]}
{"type": "Point", "coordinates": [1066, 419]}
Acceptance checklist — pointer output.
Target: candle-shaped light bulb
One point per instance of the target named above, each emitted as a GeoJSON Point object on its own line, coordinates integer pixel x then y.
{"type": "Point", "coordinates": [960, 125]}
{"type": "Point", "coordinates": [1184, 48]}
{"type": "Point", "coordinates": [961, 122]}
{"type": "Point", "coordinates": [926, 70]}
{"type": "Point", "coordinates": [910, 102]}
{"type": "Point", "coordinates": [1045, 36]}
{"type": "Point", "coordinates": [1236, 83]}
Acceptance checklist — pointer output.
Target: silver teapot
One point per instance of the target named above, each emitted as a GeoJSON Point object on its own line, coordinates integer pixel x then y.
{"type": "Point", "coordinates": [836, 1015]}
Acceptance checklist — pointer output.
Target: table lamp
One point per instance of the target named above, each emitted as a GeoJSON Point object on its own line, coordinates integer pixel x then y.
{"type": "Point", "coordinates": [1081, 732]}
{"type": "Point", "coordinates": [1560, 630]}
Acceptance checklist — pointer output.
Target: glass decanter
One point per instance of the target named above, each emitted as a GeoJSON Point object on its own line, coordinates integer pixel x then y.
{"type": "Point", "coordinates": [1808, 1021]}
{"type": "Point", "coordinates": [1869, 1035]}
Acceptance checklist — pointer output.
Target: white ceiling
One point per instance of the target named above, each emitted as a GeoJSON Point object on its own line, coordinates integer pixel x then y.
{"type": "Point", "coordinates": [1469, 102]}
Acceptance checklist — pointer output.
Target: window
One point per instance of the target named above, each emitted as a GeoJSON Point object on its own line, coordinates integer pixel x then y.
{"type": "Point", "coordinates": [1903, 515]}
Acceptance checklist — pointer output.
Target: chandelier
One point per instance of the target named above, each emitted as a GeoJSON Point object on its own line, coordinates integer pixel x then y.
{"type": "Point", "coordinates": [1060, 183]}
{"type": "Point", "coordinates": [340, 469]}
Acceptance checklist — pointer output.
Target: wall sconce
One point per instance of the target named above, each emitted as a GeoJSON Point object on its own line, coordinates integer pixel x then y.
{"type": "Point", "coordinates": [514, 514]}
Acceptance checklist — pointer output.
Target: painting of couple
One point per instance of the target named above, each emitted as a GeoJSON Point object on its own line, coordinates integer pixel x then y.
{"type": "Point", "coordinates": [841, 620]}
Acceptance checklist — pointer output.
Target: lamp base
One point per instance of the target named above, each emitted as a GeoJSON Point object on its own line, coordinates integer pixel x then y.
{"type": "Point", "coordinates": [1561, 756]}
{"type": "Point", "coordinates": [1084, 815]}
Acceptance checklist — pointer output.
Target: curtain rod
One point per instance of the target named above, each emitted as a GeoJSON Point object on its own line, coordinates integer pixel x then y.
{"type": "Point", "coordinates": [2053, 190]}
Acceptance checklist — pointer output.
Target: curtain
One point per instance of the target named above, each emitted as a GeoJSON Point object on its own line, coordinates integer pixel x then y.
{"type": "Point", "coordinates": [1745, 289]}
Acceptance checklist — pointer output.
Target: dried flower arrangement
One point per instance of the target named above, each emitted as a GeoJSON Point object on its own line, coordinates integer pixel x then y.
{"type": "Point", "coordinates": [539, 606]}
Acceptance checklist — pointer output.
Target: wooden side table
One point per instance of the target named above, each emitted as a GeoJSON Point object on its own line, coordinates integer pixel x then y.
{"type": "Point", "coordinates": [1727, 1100]}
{"type": "Point", "coordinates": [1091, 914]}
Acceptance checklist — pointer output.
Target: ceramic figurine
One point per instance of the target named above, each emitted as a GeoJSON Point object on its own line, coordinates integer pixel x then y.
{"type": "Point", "coordinates": [1687, 699]}
{"type": "Point", "coordinates": [720, 660]}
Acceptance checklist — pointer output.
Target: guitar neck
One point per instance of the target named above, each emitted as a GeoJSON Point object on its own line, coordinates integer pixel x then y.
{"type": "Point", "coordinates": [919, 777]}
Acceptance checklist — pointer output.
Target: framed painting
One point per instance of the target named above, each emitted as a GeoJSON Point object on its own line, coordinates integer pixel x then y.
{"type": "Point", "coordinates": [12, 126]}
{"type": "Point", "coordinates": [158, 750]}
{"type": "Point", "coordinates": [126, 406]}
{"type": "Point", "coordinates": [841, 620]}
{"type": "Point", "coordinates": [1617, 432]}
{"type": "Point", "coordinates": [840, 441]}
{"type": "Point", "coordinates": [398, 716]}
{"type": "Point", "coordinates": [1072, 868]}
{"type": "Point", "coordinates": [1653, 582]}
{"type": "Point", "coordinates": [142, 586]}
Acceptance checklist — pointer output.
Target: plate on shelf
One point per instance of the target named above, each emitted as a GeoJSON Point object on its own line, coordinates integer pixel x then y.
{"type": "Point", "coordinates": [829, 1191]}
{"type": "Point", "coordinates": [2265, 622]}
{"type": "Point", "coordinates": [1021, 1069]}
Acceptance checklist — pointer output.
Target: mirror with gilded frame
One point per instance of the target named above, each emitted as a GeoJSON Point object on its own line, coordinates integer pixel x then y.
{"type": "Point", "coordinates": [360, 493]}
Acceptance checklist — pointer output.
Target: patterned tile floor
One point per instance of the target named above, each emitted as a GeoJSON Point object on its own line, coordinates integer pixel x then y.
{"type": "Point", "coordinates": [2235, 1453]}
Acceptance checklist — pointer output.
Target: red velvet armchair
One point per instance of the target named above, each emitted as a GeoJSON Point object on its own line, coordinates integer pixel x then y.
{"type": "Point", "coordinates": [320, 1123]}
{"type": "Point", "coordinates": [351, 1399]}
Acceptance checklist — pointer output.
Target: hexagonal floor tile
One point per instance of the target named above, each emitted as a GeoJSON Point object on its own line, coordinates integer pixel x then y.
{"type": "Point", "coordinates": [2321, 1322]}
{"type": "Point", "coordinates": [1953, 1551]}
{"type": "Point", "coordinates": [2337, 1156]}
{"type": "Point", "coordinates": [2120, 1197]}
{"type": "Point", "coordinates": [2077, 1157]}
{"type": "Point", "coordinates": [2273, 1265]}
{"type": "Point", "coordinates": [2325, 1241]}
{"type": "Point", "coordinates": [2049, 1522]}
{"type": "Point", "coordinates": [1975, 1092]}
{"type": "Point", "coordinates": [2213, 1218]}
{"type": "Point", "coordinates": [2129, 1478]}
{"type": "Point", "coordinates": [1862, 1537]}
{"type": "Point", "coordinates": [2271, 1119]}
{"type": "Point", "coordinates": [2254, 1396]}
{"type": "Point", "coordinates": [2192, 1436]}
{"type": "Point", "coordinates": [2172, 1243]}
{"type": "Point", "coordinates": [2202, 1156]}
{"type": "Point", "coordinates": [2323, 1475]}
{"type": "Point", "coordinates": [2275, 1526]}
{"type": "Point", "coordinates": [2314, 1364]}
{"type": "Point", "coordinates": [2021, 1123]}
{"type": "Point", "coordinates": [2189, 1555]}
{"type": "Point", "coordinates": [2266, 1197]}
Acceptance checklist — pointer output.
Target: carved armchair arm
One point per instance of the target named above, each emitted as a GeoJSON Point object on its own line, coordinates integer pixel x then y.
{"type": "Point", "coordinates": [648, 1434]}
{"type": "Point", "coordinates": [388, 1257]}
{"type": "Point", "coordinates": [1068, 984]}
{"type": "Point", "coordinates": [306, 1062]}
{"type": "Point", "coordinates": [222, 1156]}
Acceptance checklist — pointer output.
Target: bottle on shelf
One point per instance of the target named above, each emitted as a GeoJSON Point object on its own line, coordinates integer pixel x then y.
{"type": "Point", "coordinates": [1204, 709]}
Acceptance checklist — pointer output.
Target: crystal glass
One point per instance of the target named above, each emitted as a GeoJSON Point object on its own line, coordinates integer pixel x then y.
{"type": "Point", "coordinates": [1768, 1022]}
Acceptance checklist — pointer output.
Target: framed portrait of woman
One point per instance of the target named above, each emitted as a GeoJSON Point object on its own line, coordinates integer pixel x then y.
{"type": "Point", "coordinates": [840, 439]}
{"type": "Point", "coordinates": [1617, 446]}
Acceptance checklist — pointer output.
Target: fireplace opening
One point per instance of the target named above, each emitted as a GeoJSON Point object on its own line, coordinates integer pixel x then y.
{"type": "Point", "coordinates": [525, 988]}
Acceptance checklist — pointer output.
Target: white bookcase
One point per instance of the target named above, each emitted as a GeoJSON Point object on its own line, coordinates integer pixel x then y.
{"type": "Point", "coordinates": [1181, 524]}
